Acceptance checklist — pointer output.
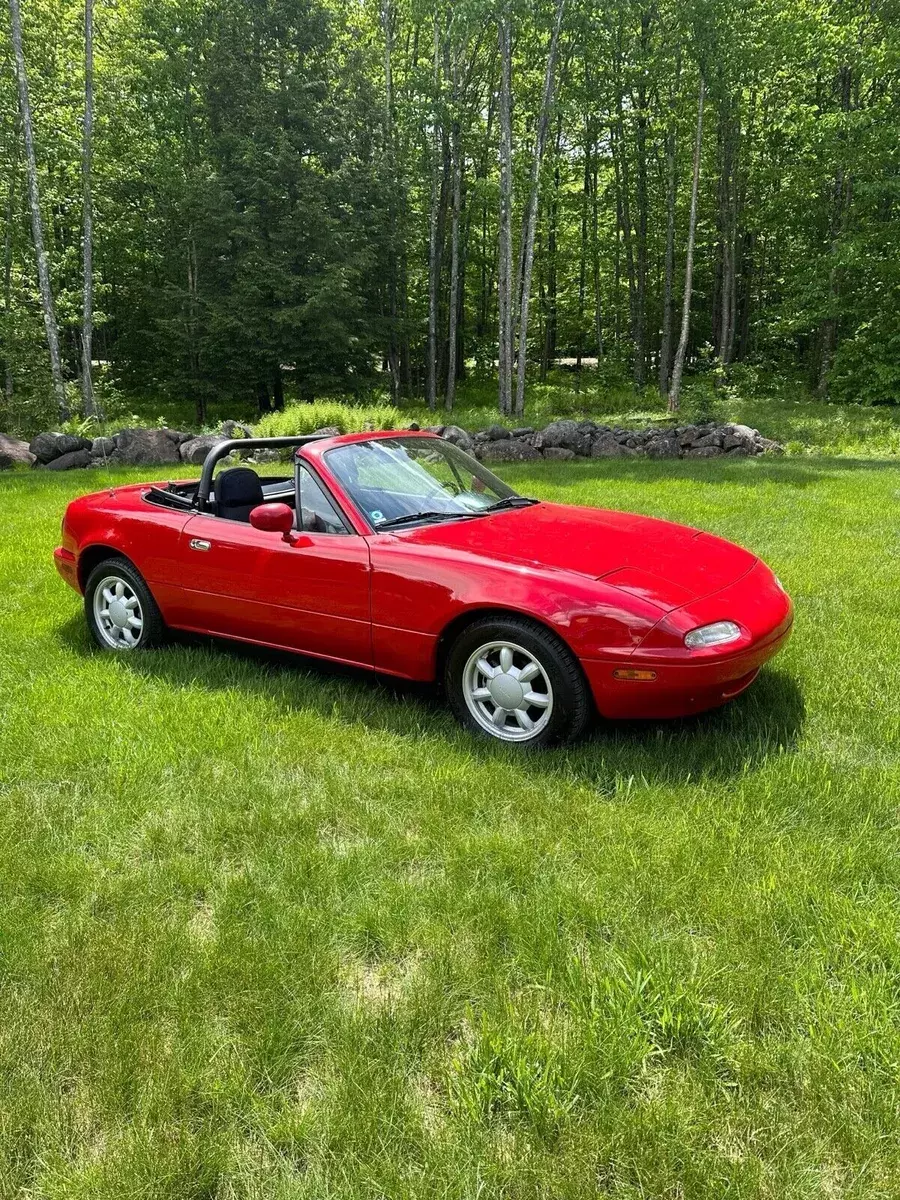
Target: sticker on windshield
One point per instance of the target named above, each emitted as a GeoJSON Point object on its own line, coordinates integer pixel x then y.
{"type": "Point", "coordinates": [376, 515]}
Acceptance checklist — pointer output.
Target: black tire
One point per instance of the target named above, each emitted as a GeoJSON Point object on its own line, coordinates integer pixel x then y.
{"type": "Point", "coordinates": [152, 631]}
{"type": "Point", "coordinates": [570, 705]}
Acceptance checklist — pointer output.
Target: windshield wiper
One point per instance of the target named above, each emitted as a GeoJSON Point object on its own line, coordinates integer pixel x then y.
{"type": "Point", "coordinates": [511, 502]}
{"type": "Point", "coordinates": [424, 516]}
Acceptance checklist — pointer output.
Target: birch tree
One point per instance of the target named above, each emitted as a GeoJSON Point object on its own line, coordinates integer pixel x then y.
{"type": "Point", "coordinates": [34, 204]}
{"type": "Point", "coordinates": [681, 351]}
{"type": "Point", "coordinates": [7, 267]}
{"type": "Point", "coordinates": [434, 241]}
{"type": "Point", "coordinates": [457, 170]}
{"type": "Point", "coordinates": [504, 266]}
{"type": "Point", "coordinates": [540, 141]}
{"type": "Point", "coordinates": [87, 324]}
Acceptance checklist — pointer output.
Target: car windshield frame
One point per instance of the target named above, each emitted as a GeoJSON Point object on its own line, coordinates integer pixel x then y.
{"type": "Point", "coordinates": [492, 487]}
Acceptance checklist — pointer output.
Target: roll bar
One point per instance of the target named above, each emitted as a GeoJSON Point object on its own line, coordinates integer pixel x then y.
{"type": "Point", "coordinates": [222, 449]}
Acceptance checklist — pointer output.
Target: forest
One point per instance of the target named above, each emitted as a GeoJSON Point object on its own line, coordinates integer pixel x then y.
{"type": "Point", "coordinates": [247, 200]}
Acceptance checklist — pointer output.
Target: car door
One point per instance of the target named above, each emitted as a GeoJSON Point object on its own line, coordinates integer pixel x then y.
{"type": "Point", "coordinates": [311, 593]}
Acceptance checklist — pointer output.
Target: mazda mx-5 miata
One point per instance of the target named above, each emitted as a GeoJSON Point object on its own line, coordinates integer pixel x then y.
{"type": "Point", "coordinates": [399, 553]}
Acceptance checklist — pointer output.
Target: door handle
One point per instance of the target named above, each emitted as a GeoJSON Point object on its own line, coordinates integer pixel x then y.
{"type": "Point", "coordinates": [199, 544]}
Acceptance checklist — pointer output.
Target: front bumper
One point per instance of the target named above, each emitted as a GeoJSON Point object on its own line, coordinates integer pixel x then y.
{"type": "Point", "coordinates": [688, 681]}
{"type": "Point", "coordinates": [679, 690]}
{"type": "Point", "coordinates": [67, 566]}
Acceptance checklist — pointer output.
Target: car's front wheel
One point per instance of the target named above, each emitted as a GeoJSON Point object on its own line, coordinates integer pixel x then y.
{"type": "Point", "coordinates": [121, 613]}
{"type": "Point", "coordinates": [513, 680]}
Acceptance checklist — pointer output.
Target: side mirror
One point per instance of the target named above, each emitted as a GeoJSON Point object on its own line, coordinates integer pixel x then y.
{"type": "Point", "coordinates": [273, 518]}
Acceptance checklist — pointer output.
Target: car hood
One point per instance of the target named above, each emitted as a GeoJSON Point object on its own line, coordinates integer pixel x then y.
{"type": "Point", "coordinates": [666, 564]}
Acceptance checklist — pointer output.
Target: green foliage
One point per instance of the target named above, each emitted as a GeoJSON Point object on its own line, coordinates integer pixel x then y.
{"type": "Point", "coordinates": [263, 200]}
{"type": "Point", "coordinates": [346, 418]}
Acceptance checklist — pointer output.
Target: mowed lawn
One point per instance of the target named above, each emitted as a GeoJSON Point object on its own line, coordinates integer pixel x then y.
{"type": "Point", "coordinates": [272, 930]}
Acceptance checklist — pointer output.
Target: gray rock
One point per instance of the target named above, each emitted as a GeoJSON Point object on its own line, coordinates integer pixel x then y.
{"type": "Point", "coordinates": [14, 453]}
{"type": "Point", "coordinates": [559, 453]}
{"type": "Point", "coordinates": [507, 450]}
{"type": "Point", "coordinates": [767, 446]}
{"type": "Point", "coordinates": [47, 446]}
{"type": "Point", "coordinates": [663, 446]}
{"type": "Point", "coordinates": [414, 427]}
{"type": "Point", "coordinates": [327, 431]}
{"type": "Point", "coordinates": [496, 433]}
{"type": "Point", "coordinates": [232, 429]}
{"type": "Point", "coordinates": [567, 435]}
{"type": "Point", "coordinates": [438, 429]}
{"type": "Point", "coordinates": [458, 437]}
{"type": "Point", "coordinates": [708, 439]}
{"type": "Point", "coordinates": [687, 434]}
{"type": "Point", "coordinates": [103, 447]}
{"type": "Point", "coordinates": [139, 447]}
{"type": "Point", "coordinates": [703, 452]}
{"type": "Point", "coordinates": [66, 462]}
{"type": "Point", "coordinates": [607, 446]}
{"type": "Point", "coordinates": [737, 452]}
{"type": "Point", "coordinates": [196, 450]}
{"type": "Point", "coordinates": [523, 431]}
{"type": "Point", "coordinates": [743, 432]}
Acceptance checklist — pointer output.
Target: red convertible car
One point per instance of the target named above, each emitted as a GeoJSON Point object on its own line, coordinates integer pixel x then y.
{"type": "Point", "coordinates": [402, 554]}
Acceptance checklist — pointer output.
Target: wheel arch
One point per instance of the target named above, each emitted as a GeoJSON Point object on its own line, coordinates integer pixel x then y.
{"type": "Point", "coordinates": [463, 620]}
{"type": "Point", "coordinates": [90, 556]}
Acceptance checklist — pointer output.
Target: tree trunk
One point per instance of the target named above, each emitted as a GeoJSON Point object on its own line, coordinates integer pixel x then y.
{"type": "Point", "coordinates": [262, 396]}
{"type": "Point", "coordinates": [726, 304]}
{"type": "Point", "coordinates": [87, 323]}
{"type": "Point", "coordinates": [37, 226]}
{"type": "Point", "coordinates": [623, 209]}
{"type": "Point", "coordinates": [665, 348]}
{"type": "Point", "coordinates": [277, 389]}
{"type": "Point", "coordinates": [193, 356]}
{"type": "Point", "coordinates": [840, 207]}
{"type": "Point", "coordinates": [583, 250]}
{"type": "Point", "coordinates": [504, 266]}
{"type": "Point", "coordinates": [640, 316]}
{"type": "Point", "coordinates": [678, 366]}
{"type": "Point", "coordinates": [595, 247]}
{"type": "Point", "coordinates": [457, 169]}
{"type": "Point", "coordinates": [392, 353]}
{"type": "Point", "coordinates": [540, 140]}
{"type": "Point", "coordinates": [434, 247]}
{"type": "Point", "coordinates": [7, 267]}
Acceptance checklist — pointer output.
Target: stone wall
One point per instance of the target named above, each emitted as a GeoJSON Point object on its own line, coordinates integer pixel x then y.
{"type": "Point", "coordinates": [559, 441]}
{"type": "Point", "coordinates": [563, 440]}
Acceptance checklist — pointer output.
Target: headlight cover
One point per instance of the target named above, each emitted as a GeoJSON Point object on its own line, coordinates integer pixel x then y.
{"type": "Point", "coordinates": [717, 634]}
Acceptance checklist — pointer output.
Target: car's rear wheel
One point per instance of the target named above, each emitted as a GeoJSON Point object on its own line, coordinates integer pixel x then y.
{"type": "Point", "coordinates": [121, 612]}
{"type": "Point", "coordinates": [511, 679]}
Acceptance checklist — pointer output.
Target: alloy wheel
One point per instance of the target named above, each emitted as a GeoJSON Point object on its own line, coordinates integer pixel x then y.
{"type": "Point", "coordinates": [117, 613]}
{"type": "Point", "coordinates": [507, 691]}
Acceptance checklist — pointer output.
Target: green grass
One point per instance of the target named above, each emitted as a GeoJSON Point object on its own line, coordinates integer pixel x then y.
{"type": "Point", "coordinates": [269, 930]}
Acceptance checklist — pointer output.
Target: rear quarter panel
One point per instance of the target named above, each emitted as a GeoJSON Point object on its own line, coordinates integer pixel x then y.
{"type": "Point", "coordinates": [122, 521]}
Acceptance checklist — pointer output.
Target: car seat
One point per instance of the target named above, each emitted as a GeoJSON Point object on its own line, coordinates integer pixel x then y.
{"type": "Point", "coordinates": [238, 491]}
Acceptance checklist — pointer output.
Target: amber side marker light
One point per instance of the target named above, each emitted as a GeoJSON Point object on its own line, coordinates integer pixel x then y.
{"type": "Point", "coordinates": [634, 675]}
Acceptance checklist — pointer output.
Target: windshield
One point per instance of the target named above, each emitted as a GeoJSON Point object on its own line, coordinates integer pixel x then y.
{"type": "Point", "coordinates": [393, 480]}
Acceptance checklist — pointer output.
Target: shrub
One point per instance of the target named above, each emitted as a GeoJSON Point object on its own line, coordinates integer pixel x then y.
{"type": "Point", "coordinates": [299, 419]}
